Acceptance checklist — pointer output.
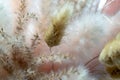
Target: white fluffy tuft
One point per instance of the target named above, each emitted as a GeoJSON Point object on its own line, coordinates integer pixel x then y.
{"type": "Point", "coordinates": [80, 73]}
{"type": "Point", "coordinates": [6, 16]}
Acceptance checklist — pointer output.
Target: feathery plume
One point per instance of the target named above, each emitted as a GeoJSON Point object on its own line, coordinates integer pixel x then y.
{"type": "Point", "coordinates": [21, 16]}
{"type": "Point", "coordinates": [55, 32]}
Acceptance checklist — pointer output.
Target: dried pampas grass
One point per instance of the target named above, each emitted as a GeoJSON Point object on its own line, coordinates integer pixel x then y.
{"type": "Point", "coordinates": [17, 62]}
{"type": "Point", "coordinates": [65, 22]}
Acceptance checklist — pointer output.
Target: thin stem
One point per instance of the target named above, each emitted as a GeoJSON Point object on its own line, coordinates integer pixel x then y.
{"type": "Point", "coordinates": [91, 60]}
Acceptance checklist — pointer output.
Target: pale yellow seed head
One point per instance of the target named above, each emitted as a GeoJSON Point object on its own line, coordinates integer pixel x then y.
{"type": "Point", "coordinates": [110, 50]}
{"type": "Point", "coordinates": [110, 57]}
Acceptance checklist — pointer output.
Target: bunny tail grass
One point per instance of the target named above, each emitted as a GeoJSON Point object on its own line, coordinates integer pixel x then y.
{"type": "Point", "coordinates": [55, 32]}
